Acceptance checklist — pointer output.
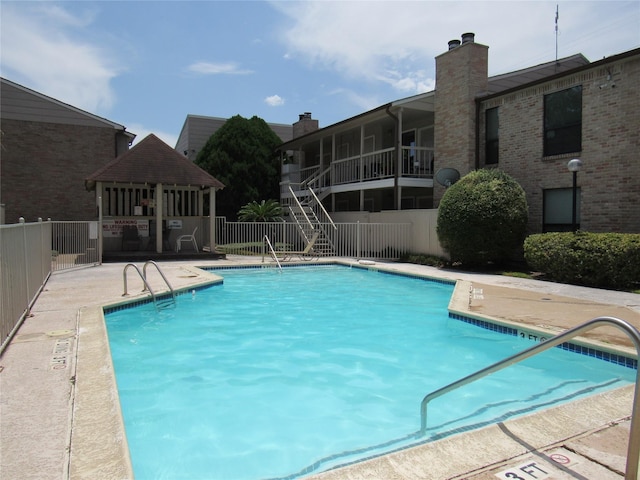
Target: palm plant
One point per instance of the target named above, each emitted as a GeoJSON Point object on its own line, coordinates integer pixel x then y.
{"type": "Point", "coordinates": [265, 211]}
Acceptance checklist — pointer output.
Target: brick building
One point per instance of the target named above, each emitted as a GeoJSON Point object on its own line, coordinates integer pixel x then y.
{"type": "Point", "coordinates": [532, 130]}
{"type": "Point", "coordinates": [48, 149]}
{"type": "Point", "coordinates": [529, 123]}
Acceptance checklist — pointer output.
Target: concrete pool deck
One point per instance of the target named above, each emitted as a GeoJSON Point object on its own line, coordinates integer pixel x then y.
{"type": "Point", "coordinates": [59, 416]}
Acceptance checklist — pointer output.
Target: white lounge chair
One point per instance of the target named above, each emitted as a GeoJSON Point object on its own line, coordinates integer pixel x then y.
{"type": "Point", "coordinates": [187, 238]}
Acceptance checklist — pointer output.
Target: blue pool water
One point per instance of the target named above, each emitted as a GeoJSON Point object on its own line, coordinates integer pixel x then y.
{"type": "Point", "coordinates": [275, 375]}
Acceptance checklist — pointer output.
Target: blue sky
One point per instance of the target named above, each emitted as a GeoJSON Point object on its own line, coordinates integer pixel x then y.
{"type": "Point", "coordinates": [147, 64]}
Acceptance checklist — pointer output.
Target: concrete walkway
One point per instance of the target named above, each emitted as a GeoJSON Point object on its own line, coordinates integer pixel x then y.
{"type": "Point", "coordinates": [59, 416]}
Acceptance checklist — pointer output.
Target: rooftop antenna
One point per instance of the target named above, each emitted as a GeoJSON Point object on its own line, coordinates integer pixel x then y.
{"type": "Point", "coordinates": [557, 15]}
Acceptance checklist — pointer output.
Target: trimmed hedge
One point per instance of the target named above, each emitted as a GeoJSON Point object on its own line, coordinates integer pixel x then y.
{"type": "Point", "coordinates": [604, 260]}
{"type": "Point", "coordinates": [483, 218]}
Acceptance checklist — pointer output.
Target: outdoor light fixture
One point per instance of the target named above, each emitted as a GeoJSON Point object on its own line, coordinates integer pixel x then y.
{"type": "Point", "coordinates": [574, 167]}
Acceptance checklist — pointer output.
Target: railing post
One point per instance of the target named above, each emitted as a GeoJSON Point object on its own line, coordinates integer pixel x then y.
{"type": "Point", "coordinates": [26, 264]}
{"type": "Point", "coordinates": [42, 250]}
{"type": "Point", "coordinates": [100, 233]}
{"type": "Point", "coordinates": [358, 239]}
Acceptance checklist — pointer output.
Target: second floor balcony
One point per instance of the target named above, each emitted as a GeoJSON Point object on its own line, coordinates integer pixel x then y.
{"type": "Point", "coordinates": [415, 163]}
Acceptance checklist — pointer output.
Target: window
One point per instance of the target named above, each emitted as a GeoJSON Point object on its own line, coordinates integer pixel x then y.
{"type": "Point", "coordinates": [563, 121]}
{"type": "Point", "coordinates": [558, 210]}
{"type": "Point", "coordinates": [491, 136]}
{"type": "Point", "coordinates": [369, 144]}
{"type": "Point", "coordinates": [343, 151]}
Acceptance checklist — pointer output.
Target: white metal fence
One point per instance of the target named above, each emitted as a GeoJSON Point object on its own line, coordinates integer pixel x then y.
{"type": "Point", "coordinates": [358, 240]}
{"type": "Point", "coordinates": [74, 244]}
{"type": "Point", "coordinates": [29, 252]}
{"type": "Point", "coordinates": [25, 265]}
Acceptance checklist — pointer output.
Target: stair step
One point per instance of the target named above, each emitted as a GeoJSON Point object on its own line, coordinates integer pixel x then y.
{"type": "Point", "coordinates": [164, 303]}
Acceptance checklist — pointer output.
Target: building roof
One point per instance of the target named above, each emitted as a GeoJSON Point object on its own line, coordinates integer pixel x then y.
{"type": "Point", "coordinates": [506, 81]}
{"type": "Point", "coordinates": [21, 103]}
{"type": "Point", "coordinates": [197, 129]}
{"type": "Point", "coordinates": [152, 161]}
{"type": "Point", "coordinates": [497, 84]}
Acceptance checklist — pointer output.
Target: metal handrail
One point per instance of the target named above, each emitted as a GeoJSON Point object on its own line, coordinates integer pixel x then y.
{"type": "Point", "coordinates": [326, 214]}
{"type": "Point", "coordinates": [144, 274]}
{"type": "Point", "coordinates": [144, 280]}
{"type": "Point", "coordinates": [273, 252]}
{"type": "Point", "coordinates": [295, 198]}
{"type": "Point", "coordinates": [633, 450]}
{"type": "Point", "coordinates": [315, 178]}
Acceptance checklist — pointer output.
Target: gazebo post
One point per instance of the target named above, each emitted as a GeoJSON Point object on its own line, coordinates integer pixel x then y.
{"type": "Point", "coordinates": [100, 195]}
{"type": "Point", "coordinates": [159, 213]}
{"type": "Point", "coordinates": [212, 219]}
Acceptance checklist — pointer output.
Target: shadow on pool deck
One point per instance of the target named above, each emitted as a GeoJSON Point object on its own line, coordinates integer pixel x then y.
{"type": "Point", "coordinates": [59, 416]}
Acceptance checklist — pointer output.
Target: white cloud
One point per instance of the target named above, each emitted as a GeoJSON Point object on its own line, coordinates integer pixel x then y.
{"type": "Point", "coordinates": [274, 101]}
{"type": "Point", "coordinates": [41, 49]}
{"type": "Point", "coordinates": [212, 68]}
{"type": "Point", "coordinates": [396, 42]}
{"type": "Point", "coordinates": [363, 102]}
{"type": "Point", "coordinates": [141, 132]}
{"type": "Point", "coordinates": [60, 16]}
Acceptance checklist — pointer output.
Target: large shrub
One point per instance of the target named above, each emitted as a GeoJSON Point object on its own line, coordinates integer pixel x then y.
{"type": "Point", "coordinates": [242, 154]}
{"type": "Point", "coordinates": [483, 218]}
{"type": "Point", "coordinates": [605, 260]}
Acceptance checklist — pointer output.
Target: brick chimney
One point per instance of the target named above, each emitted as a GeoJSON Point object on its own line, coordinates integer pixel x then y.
{"type": "Point", "coordinates": [461, 74]}
{"type": "Point", "coordinates": [304, 125]}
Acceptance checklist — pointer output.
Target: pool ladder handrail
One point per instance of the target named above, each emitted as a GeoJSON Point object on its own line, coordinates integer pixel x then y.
{"type": "Point", "coordinates": [633, 450]}
{"type": "Point", "coordinates": [143, 276]}
{"type": "Point", "coordinates": [272, 251]}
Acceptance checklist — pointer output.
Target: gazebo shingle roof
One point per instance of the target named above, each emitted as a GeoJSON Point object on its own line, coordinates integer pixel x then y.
{"type": "Point", "coordinates": [153, 161]}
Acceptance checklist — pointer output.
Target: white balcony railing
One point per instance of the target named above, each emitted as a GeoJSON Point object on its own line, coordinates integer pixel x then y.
{"type": "Point", "coordinates": [417, 162]}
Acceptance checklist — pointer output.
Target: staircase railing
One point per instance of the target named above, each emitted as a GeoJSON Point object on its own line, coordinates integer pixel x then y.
{"type": "Point", "coordinates": [317, 179]}
{"type": "Point", "coordinates": [633, 450]}
{"type": "Point", "coordinates": [299, 205]}
{"type": "Point", "coordinates": [310, 222]}
{"type": "Point", "coordinates": [324, 211]}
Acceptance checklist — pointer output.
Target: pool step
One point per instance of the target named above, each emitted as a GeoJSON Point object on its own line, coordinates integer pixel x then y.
{"type": "Point", "coordinates": [165, 303]}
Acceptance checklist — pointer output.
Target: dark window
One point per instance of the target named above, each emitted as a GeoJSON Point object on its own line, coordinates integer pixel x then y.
{"type": "Point", "coordinates": [491, 136]}
{"type": "Point", "coordinates": [558, 210]}
{"type": "Point", "coordinates": [563, 121]}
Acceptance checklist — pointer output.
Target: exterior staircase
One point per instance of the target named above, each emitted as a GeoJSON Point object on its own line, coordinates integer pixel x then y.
{"type": "Point", "coordinates": [311, 218]}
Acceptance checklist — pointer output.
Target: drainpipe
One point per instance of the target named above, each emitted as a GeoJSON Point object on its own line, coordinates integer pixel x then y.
{"type": "Point", "coordinates": [398, 152]}
{"type": "Point", "coordinates": [477, 129]}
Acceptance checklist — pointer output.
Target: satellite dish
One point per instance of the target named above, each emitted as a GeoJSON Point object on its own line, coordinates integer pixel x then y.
{"type": "Point", "coordinates": [447, 176]}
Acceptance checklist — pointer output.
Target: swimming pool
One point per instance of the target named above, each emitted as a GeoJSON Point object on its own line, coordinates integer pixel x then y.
{"type": "Point", "coordinates": [276, 375]}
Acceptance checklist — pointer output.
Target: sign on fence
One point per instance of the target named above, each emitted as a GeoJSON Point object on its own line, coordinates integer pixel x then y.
{"type": "Point", "coordinates": [113, 228]}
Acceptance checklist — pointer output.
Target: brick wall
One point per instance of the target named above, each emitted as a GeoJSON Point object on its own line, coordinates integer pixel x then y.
{"type": "Point", "coordinates": [44, 166]}
{"type": "Point", "coordinates": [461, 73]}
{"type": "Point", "coordinates": [304, 125]}
{"type": "Point", "coordinates": [610, 177]}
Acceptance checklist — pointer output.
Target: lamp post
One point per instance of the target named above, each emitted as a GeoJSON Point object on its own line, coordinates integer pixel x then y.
{"type": "Point", "coordinates": [574, 167]}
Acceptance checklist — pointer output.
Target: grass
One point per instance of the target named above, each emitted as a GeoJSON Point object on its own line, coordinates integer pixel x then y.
{"type": "Point", "coordinates": [439, 262]}
{"type": "Point", "coordinates": [517, 274]}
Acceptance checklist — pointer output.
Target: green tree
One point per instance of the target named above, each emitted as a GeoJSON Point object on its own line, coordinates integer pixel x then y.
{"type": "Point", "coordinates": [265, 211]}
{"type": "Point", "coordinates": [242, 155]}
{"type": "Point", "coordinates": [483, 218]}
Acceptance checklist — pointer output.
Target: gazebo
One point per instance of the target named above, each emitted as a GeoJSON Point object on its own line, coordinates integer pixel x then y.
{"type": "Point", "coordinates": [150, 196]}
